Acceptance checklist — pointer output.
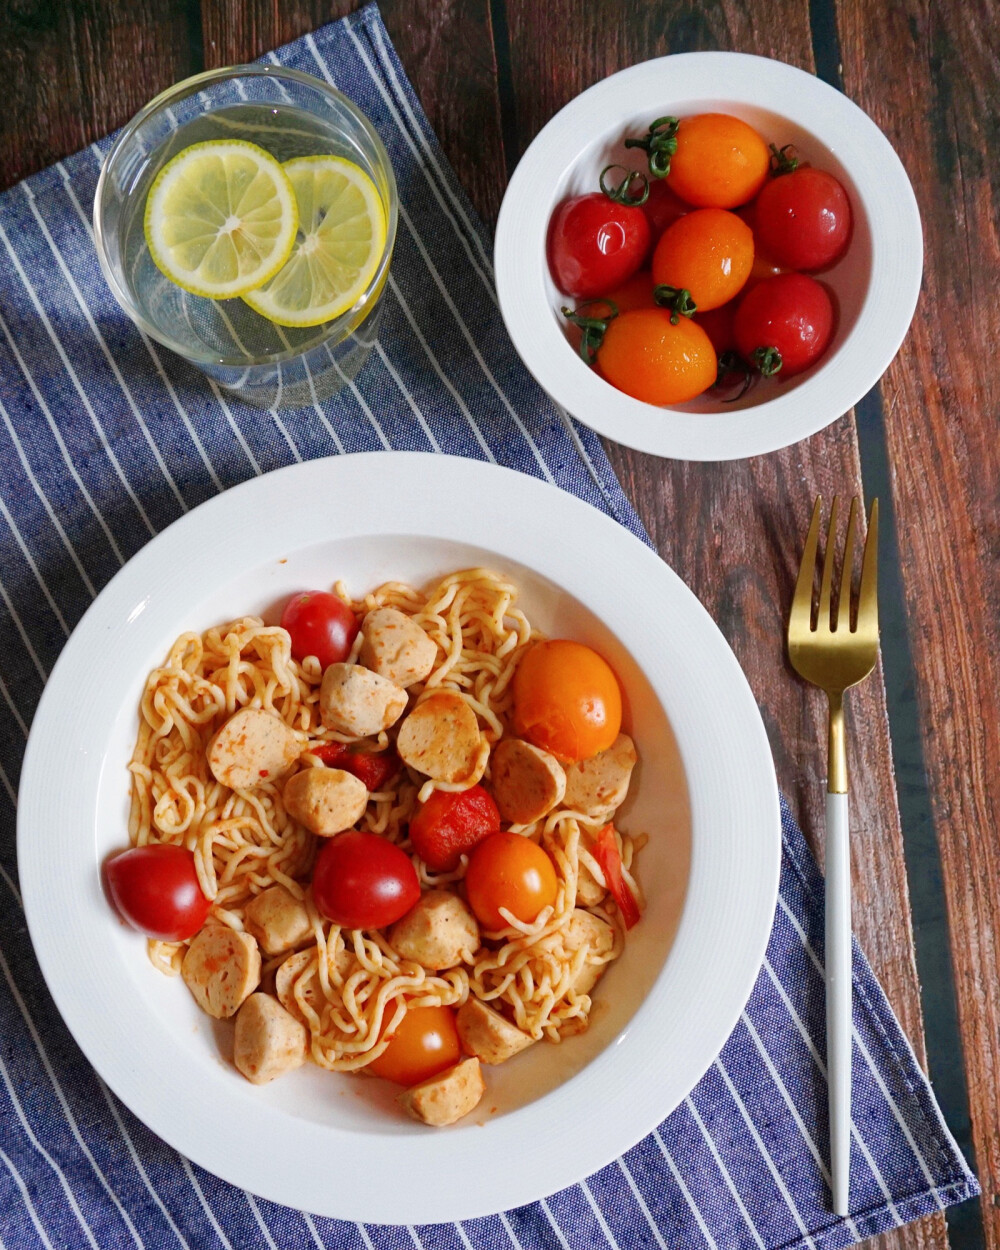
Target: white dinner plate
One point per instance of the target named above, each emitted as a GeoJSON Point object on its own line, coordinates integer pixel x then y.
{"type": "Point", "coordinates": [705, 792]}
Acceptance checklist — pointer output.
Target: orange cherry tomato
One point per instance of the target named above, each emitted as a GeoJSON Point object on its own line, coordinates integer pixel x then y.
{"type": "Point", "coordinates": [710, 252]}
{"type": "Point", "coordinates": [508, 870]}
{"type": "Point", "coordinates": [425, 1044]}
{"type": "Point", "coordinates": [566, 697]}
{"type": "Point", "coordinates": [637, 292]}
{"type": "Point", "coordinates": [720, 161]}
{"type": "Point", "coordinates": [648, 357]}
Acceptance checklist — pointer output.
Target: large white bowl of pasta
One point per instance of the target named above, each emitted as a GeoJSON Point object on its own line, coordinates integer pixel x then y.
{"type": "Point", "coordinates": [638, 1009]}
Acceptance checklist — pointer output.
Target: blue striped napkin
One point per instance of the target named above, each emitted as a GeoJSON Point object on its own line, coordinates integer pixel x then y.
{"type": "Point", "coordinates": [105, 439]}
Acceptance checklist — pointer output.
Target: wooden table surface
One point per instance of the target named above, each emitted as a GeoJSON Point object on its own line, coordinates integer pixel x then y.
{"type": "Point", "coordinates": [490, 73]}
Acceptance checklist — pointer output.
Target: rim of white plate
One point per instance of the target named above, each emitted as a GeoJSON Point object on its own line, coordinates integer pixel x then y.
{"type": "Point", "coordinates": [385, 1175]}
{"type": "Point", "coordinates": [697, 82]}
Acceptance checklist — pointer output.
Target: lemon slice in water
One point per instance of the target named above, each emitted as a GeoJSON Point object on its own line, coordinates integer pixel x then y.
{"type": "Point", "coordinates": [221, 218]}
{"type": "Point", "coordinates": [340, 241]}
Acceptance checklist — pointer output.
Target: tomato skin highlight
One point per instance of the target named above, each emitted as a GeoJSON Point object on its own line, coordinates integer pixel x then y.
{"type": "Point", "coordinates": [374, 768]}
{"type": "Point", "coordinates": [720, 162]}
{"type": "Point", "coordinates": [650, 358]}
{"type": "Point", "coordinates": [319, 624]}
{"type": "Point", "coordinates": [710, 252]}
{"type": "Point", "coordinates": [155, 889]}
{"type": "Point", "coordinates": [803, 219]}
{"type": "Point", "coordinates": [566, 699]}
{"type": "Point", "coordinates": [594, 244]}
{"type": "Point", "coordinates": [450, 824]}
{"type": "Point", "coordinates": [508, 870]}
{"type": "Point", "coordinates": [362, 881]}
{"type": "Point", "coordinates": [791, 312]}
{"type": "Point", "coordinates": [425, 1044]}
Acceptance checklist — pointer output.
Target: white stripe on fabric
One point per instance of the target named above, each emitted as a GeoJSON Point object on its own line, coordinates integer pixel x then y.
{"type": "Point", "coordinates": [58, 437]}
{"type": "Point", "coordinates": [685, 1192]}
{"type": "Point", "coordinates": [186, 1165]}
{"type": "Point", "coordinates": [421, 164]}
{"type": "Point", "coordinates": [24, 635]}
{"type": "Point", "coordinates": [312, 391]}
{"type": "Point", "coordinates": [897, 1114]}
{"type": "Point", "coordinates": [13, 707]}
{"type": "Point", "coordinates": [260, 1219]}
{"type": "Point", "coordinates": [70, 1118]}
{"type": "Point", "coordinates": [689, 1102]}
{"type": "Point", "coordinates": [312, 1228]}
{"type": "Point", "coordinates": [642, 1203]}
{"type": "Point", "coordinates": [552, 1220]}
{"type": "Point", "coordinates": [821, 1067]}
{"type": "Point", "coordinates": [71, 550]}
{"type": "Point", "coordinates": [383, 355]}
{"type": "Point", "coordinates": [473, 425]}
{"type": "Point", "coordinates": [57, 344]}
{"type": "Point", "coordinates": [217, 392]}
{"type": "Point", "coordinates": [26, 1196]}
{"type": "Point", "coordinates": [137, 1161]}
{"type": "Point", "coordinates": [510, 1232]}
{"type": "Point", "coordinates": [11, 794]}
{"type": "Point", "coordinates": [12, 887]}
{"type": "Point", "coordinates": [764, 1153]}
{"type": "Point", "coordinates": [609, 1236]}
{"type": "Point", "coordinates": [12, 525]}
{"type": "Point", "coordinates": [5, 1076]}
{"type": "Point", "coordinates": [104, 347]}
{"type": "Point", "coordinates": [428, 148]}
{"type": "Point", "coordinates": [364, 1233]}
{"type": "Point", "coordinates": [349, 382]}
{"type": "Point", "coordinates": [439, 283]}
{"type": "Point", "coordinates": [465, 1241]}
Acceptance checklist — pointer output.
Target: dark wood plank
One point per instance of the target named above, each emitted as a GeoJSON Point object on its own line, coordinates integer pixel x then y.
{"type": "Point", "coordinates": [74, 71]}
{"type": "Point", "coordinates": [929, 78]}
{"type": "Point", "coordinates": [446, 49]}
{"type": "Point", "coordinates": [734, 531]}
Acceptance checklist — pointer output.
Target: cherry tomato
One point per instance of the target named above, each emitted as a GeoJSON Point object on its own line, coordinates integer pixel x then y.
{"type": "Point", "coordinates": [720, 161]}
{"type": "Point", "coordinates": [450, 824]}
{"type": "Point", "coordinates": [803, 219]}
{"type": "Point", "coordinates": [710, 252]}
{"type": "Point", "coordinates": [425, 1044]}
{"type": "Point", "coordinates": [637, 292]}
{"type": "Point", "coordinates": [321, 625]}
{"type": "Point", "coordinates": [718, 325]}
{"type": "Point", "coordinates": [594, 244]}
{"type": "Point", "coordinates": [362, 881]}
{"type": "Point", "coordinates": [508, 870]}
{"type": "Point", "coordinates": [648, 357]}
{"type": "Point", "coordinates": [662, 207]}
{"type": "Point", "coordinates": [566, 698]}
{"type": "Point", "coordinates": [375, 768]}
{"type": "Point", "coordinates": [155, 888]}
{"type": "Point", "coordinates": [791, 313]}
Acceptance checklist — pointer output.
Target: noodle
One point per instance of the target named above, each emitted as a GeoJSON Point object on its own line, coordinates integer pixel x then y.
{"type": "Point", "coordinates": [349, 987]}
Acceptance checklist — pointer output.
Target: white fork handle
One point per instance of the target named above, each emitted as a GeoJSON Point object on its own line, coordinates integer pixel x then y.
{"type": "Point", "coordinates": [838, 997]}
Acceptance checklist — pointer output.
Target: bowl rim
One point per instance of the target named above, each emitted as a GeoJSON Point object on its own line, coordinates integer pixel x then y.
{"type": "Point", "coordinates": [882, 187]}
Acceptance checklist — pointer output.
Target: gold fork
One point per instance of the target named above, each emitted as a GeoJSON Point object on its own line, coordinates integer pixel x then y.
{"type": "Point", "coordinates": [835, 653]}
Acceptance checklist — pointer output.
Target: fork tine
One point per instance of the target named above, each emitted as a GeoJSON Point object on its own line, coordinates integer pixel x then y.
{"type": "Point", "coordinates": [823, 617]}
{"type": "Point", "coordinates": [801, 613]}
{"type": "Point", "coordinates": [868, 593]}
{"type": "Point", "coordinates": [844, 602]}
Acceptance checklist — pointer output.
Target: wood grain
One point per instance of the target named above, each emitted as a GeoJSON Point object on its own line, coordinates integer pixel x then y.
{"type": "Point", "coordinates": [734, 531]}
{"type": "Point", "coordinates": [930, 79]}
{"type": "Point", "coordinates": [74, 71]}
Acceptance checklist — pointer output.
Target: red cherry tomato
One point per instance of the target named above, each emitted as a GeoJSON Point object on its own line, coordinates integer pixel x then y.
{"type": "Point", "coordinates": [321, 625]}
{"type": "Point", "coordinates": [508, 870]}
{"type": "Point", "coordinates": [637, 292]}
{"type": "Point", "coordinates": [718, 325]}
{"type": "Point", "coordinates": [791, 313]}
{"type": "Point", "coordinates": [450, 824]}
{"type": "Point", "coordinates": [594, 244]}
{"type": "Point", "coordinates": [425, 1044]}
{"type": "Point", "coordinates": [375, 768]}
{"type": "Point", "coordinates": [662, 207]}
{"type": "Point", "coordinates": [362, 881]}
{"type": "Point", "coordinates": [803, 219]}
{"type": "Point", "coordinates": [566, 698]}
{"type": "Point", "coordinates": [155, 888]}
{"type": "Point", "coordinates": [651, 358]}
{"type": "Point", "coordinates": [720, 161]}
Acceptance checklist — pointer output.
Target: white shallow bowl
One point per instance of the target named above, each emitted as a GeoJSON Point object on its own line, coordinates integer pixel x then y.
{"type": "Point", "coordinates": [875, 285]}
{"type": "Point", "coordinates": [705, 791]}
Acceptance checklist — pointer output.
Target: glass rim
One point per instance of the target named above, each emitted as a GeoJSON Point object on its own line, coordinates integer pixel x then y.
{"type": "Point", "coordinates": [182, 89]}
